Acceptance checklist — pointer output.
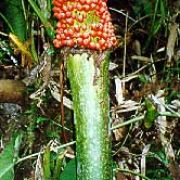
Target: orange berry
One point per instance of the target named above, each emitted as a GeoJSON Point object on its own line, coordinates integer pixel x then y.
{"type": "Point", "coordinates": [56, 3]}
{"type": "Point", "coordinates": [92, 45]}
{"type": "Point", "coordinates": [56, 43]}
{"type": "Point", "coordinates": [68, 14]}
{"type": "Point", "coordinates": [85, 35]}
{"type": "Point", "coordinates": [79, 7]}
{"type": "Point", "coordinates": [86, 42]}
{"type": "Point", "coordinates": [79, 41]}
{"type": "Point", "coordinates": [86, 7]}
{"type": "Point", "coordinates": [97, 46]}
{"type": "Point", "coordinates": [70, 42]}
{"type": "Point", "coordinates": [101, 42]}
{"type": "Point", "coordinates": [70, 21]}
{"type": "Point", "coordinates": [76, 28]}
{"type": "Point", "coordinates": [82, 1]}
{"type": "Point", "coordinates": [80, 18]}
{"type": "Point", "coordinates": [56, 9]}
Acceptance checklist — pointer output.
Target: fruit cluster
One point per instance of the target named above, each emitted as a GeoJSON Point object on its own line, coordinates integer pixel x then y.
{"type": "Point", "coordinates": [83, 24]}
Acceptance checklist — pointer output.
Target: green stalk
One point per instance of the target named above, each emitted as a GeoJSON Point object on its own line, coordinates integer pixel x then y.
{"type": "Point", "coordinates": [88, 75]}
{"type": "Point", "coordinates": [46, 163]}
{"type": "Point", "coordinates": [44, 20]}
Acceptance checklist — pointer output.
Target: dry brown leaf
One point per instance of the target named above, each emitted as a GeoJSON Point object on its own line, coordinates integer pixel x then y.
{"type": "Point", "coordinates": [120, 176]}
{"type": "Point", "coordinates": [171, 43]}
{"type": "Point", "coordinates": [26, 57]}
{"type": "Point", "coordinates": [120, 132]}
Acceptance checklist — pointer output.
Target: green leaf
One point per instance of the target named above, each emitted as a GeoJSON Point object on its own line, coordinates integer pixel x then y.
{"type": "Point", "coordinates": [150, 114]}
{"type": "Point", "coordinates": [57, 168]}
{"type": "Point", "coordinates": [41, 119]}
{"type": "Point", "coordinates": [162, 8]}
{"type": "Point", "coordinates": [6, 163]}
{"type": "Point", "coordinates": [162, 156]}
{"type": "Point", "coordinates": [17, 144]}
{"type": "Point", "coordinates": [47, 164]}
{"type": "Point", "coordinates": [14, 14]}
{"type": "Point", "coordinates": [143, 79]}
{"type": "Point", "coordinates": [147, 7]}
{"type": "Point", "coordinates": [49, 28]}
{"type": "Point", "coordinates": [69, 172]}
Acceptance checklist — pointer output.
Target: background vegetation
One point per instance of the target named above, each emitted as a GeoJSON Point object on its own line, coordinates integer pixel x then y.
{"type": "Point", "coordinates": [36, 123]}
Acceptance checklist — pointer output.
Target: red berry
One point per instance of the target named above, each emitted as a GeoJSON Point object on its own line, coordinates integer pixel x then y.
{"type": "Point", "coordinates": [101, 10]}
{"type": "Point", "coordinates": [104, 35]}
{"type": "Point", "coordinates": [56, 3]}
{"type": "Point", "coordinates": [56, 9]}
{"type": "Point", "coordinates": [86, 42]}
{"type": "Point", "coordinates": [85, 35]}
{"type": "Point", "coordinates": [82, 1]}
{"type": "Point", "coordinates": [62, 35]}
{"type": "Point", "coordinates": [86, 7]}
{"type": "Point", "coordinates": [73, 16]}
{"type": "Point", "coordinates": [63, 26]}
{"type": "Point", "coordinates": [80, 18]}
{"type": "Point", "coordinates": [63, 42]}
{"type": "Point", "coordinates": [92, 5]}
{"type": "Point", "coordinates": [94, 33]}
{"type": "Point", "coordinates": [56, 43]}
{"type": "Point", "coordinates": [70, 7]}
{"type": "Point", "coordinates": [93, 26]}
{"type": "Point", "coordinates": [95, 1]}
{"type": "Point", "coordinates": [97, 46]}
{"type": "Point", "coordinates": [59, 31]}
{"type": "Point", "coordinates": [84, 27]}
{"type": "Point", "coordinates": [59, 15]}
{"type": "Point", "coordinates": [70, 42]}
{"type": "Point", "coordinates": [101, 42]}
{"type": "Point", "coordinates": [64, 8]}
{"type": "Point", "coordinates": [70, 32]}
{"type": "Point", "coordinates": [79, 41]}
{"type": "Point", "coordinates": [58, 37]}
{"type": "Point", "coordinates": [70, 21]}
{"type": "Point", "coordinates": [76, 28]}
{"type": "Point", "coordinates": [68, 14]}
{"type": "Point", "coordinates": [79, 7]}
{"type": "Point", "coordinates": [99, 33]}
{"type": "Point", "coordinates": [92, 45]}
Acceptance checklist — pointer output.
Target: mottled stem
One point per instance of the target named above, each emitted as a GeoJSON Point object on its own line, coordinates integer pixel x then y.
{"type": "Point", "coordinates": [88, 75]}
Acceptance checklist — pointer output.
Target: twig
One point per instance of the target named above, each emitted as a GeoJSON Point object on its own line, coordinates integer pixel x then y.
{"type": "Point", "coordinates": [36, 154]}
{"type": "Point", "coordinates": [134, 173]}
{"type": "Point", "coordinates": [141, 118]}
{"type": "Point", "coordinates": [141, 58]}
{"type": "Point", "coordinates": [28, 157]}
{"type": "Point", "coordinates": [169, 114]}
{"type": "Point", "coordinates": [139, 70]}
{"type": "Point", "coordinates": [143, 158]}
{"type": "Point", "coordinates": [142, 18]}
{"type": "Point", "coordinates": [124, 14]}
{"type": "Point", "coordinates": [7, 22]}
{"type": "Point", "coordinates": [124, 54]}
{"type": "Point", "coordinates": [54, 122]}
{"type": "Point", "coordinates": [3, 34]}
{"type": "Point", "coordinates": [128, 122]}
{"type": "Point", "coordinates": [156, 100]}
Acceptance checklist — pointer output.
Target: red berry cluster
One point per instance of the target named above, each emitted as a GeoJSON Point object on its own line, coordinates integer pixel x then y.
{"type": "Point", "coordinates": [84, 24]}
